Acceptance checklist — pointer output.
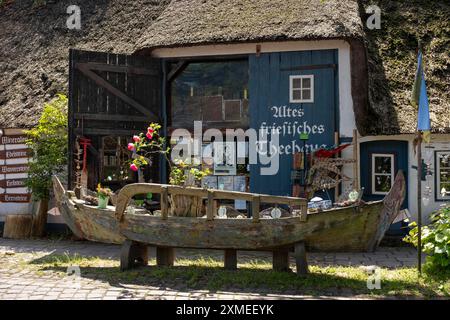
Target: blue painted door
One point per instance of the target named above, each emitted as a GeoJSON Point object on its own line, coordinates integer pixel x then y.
{"type": "Point", "coordinates": [270, 106]}
{"type": "Point", "coordinates": [399, 151]}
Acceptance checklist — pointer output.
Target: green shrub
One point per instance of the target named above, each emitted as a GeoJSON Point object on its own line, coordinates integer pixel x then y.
{"type": "Point", "coordinates": [48, 142]}
{"type": "Point", "coordinates": [435, 239]}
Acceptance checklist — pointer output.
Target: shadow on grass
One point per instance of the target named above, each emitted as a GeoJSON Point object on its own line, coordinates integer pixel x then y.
{"type": "Point", "coordinates": [209, 275]}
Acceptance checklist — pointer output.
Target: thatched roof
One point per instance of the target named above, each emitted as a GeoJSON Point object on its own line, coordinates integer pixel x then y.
{"type": "Point", "coordinates": [35, 46]}
{"type": "Point", "coordinates": [188, 22]}
{"type": "Point", "coordinates": [34, 50]}
{"type": "Point", "coordinates": [393, 61]}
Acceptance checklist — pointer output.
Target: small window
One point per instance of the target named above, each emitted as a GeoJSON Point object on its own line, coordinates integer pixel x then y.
{"type": "Point", "coordinates": [382, 173]}
{"type": "Point", "coordinates": [301, 89]}
{"type": "Point", "coordinates": [443, 175]}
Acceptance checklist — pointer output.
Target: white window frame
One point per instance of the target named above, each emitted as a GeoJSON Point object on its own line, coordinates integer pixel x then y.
{"type": "Point", "coordinates": [438, 177]}
{"type": "Point", "coordinates": [291, 88]}
{"type": "Point", "coordinates": [373, 173]}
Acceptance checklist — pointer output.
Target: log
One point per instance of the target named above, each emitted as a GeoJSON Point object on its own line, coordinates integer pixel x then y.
{"type": "Point", "coordinates": [133, 254]}
{"type": "Point", "coordinates": [165, 256]}
{"type": "Point", "coordinates": [230, 259]}
{"type": "Point", "coordinates": [281, 259]}
{"type": "Point", "coordinates": [39, 218]}
{"type": "Point", "coordinates": [300, 258]}
{"type": "Point", "coordinates": [18, 226]}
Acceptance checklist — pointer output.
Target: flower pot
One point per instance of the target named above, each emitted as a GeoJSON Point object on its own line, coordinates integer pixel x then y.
{"type": "Point", "coordinates": [186, 206]}
{"type": "Point", "coordinates": [103, 202]}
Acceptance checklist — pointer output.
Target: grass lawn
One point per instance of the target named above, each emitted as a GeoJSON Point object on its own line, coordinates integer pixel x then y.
{"type": "Point", "coordinates": [206, 273]}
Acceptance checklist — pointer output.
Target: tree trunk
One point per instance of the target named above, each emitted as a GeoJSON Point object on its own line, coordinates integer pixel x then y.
{"type": "Point", "coordinates": [39, 218]}
{"type": "Point", "coordinates": [18, 226]}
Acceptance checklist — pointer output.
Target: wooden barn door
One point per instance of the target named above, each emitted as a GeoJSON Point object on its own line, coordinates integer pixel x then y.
{"type": "Point", "coordinates": [111, 97]}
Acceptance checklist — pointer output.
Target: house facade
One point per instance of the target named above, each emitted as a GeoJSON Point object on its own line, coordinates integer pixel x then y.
{"type": "Point", "coordinates": [299, 67]}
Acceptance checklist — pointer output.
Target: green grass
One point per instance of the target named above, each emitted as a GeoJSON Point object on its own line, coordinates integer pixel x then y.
{"type": "Point", "coordinates": [207, 273]}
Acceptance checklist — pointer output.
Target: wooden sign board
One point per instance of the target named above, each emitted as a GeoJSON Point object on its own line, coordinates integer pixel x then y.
{"type": "Point", "coordinates": [13, 168]}
{"type": "Point", "coordinates": [21, 198]}
{"type": "Point", "coordinates": [13, 139]}
{"type": "Point", "coordinates": [12, 183]}
{"type": "Point", "coordinates": [14, 154]}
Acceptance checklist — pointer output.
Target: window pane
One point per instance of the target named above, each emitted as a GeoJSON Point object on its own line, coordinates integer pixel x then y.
{"type": "Point", "coordinates": [383, 165]}
{"type": "Point", "coordinates": [202, 89]}
{"type": "Point", "coordinates": [306, 83]}
{"type": "Point", "coordinates": [297, 94]}
{"type": "Point", "coordinates": [382, 183]}
{"type": "Point", "coordinates": [307, 94]}
{"type": "Point", "coordinates": [296, 83]}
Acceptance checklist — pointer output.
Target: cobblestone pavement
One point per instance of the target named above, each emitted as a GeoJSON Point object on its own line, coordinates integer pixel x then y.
{"type": "Point", "coordinates": [22, 283]}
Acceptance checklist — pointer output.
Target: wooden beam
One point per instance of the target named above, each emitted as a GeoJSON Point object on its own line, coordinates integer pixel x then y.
{"type": "Point", "coordinates": [106, 132]}
{"type": "Point", "coordinates": [210, 206]}
{"type": "Point", "coordinates": [230, 259]}
{"type": "Point", "coordinates": [300, 258]}
{"type": "Point", "coordinates": [280, 259]}
{"type": "Point", "coordinates": [256, 202]}
{"type": "Point", "coordinates": [109, 117]}
{"type": "Point", "coordinates": [115, 91]}
{"type": "Point", "coordinates": [176, 70]}
{"type": "Point", "coordinates": [164, 203]}
{"type": "Point", "coordinates": [310, 67]}
{"type": "Point", "coordinates": [114, 68]}
{"type": "Point", "coordinates": [165, 256]}
{"type": "Point", "coordinates": [133, 254]}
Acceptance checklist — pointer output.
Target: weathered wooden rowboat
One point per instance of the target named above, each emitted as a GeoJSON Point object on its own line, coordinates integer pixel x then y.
{"type": "Point", "coordinates": [354, 228]}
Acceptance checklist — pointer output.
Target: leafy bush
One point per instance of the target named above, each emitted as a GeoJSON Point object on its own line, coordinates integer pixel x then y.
{"type": "Point", "coordinates": [435, 239]}
{"type": "Point", "coordinates": [48, 142]}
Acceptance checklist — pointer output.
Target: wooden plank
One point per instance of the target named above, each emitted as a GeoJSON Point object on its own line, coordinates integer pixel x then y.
{"type": "Point", "coordinates": [230, 259]}
{"type": "Point", "coordinates": [117, 68]}
{"type": "Point", "coordinates": [13, 168]}
{"type": "Point", "coordinates": [105, 132]}
{"type": "Point", "coordinates": [115, 91]}
{"type": "Point", "coordinates": [12, 183]}
{"type": "Point", "coordinates": [300, 258]}
{"type": "Point", "coordinates": [109, 117]}
{"type": "Point", "coordinates": [15, 197]}
{"type": "Point", "coordinates": [15, 154]}
{"type": "Point", "coordinates": [13, 139]}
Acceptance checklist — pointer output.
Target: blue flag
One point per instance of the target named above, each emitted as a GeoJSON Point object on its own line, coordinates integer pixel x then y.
{"type": "Point", "coordinates": [419, 99]}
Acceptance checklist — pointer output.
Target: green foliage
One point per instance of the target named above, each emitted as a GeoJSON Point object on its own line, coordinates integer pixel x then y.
{"type": "Point", "coordinates": [48, 142]}
{"type": "Point", "coordinates": [435, 239]}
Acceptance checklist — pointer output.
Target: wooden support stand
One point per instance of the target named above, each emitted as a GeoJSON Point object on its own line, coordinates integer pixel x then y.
{"type": "Point", "coordinates": [230, 259]}
{"type": "Point", "coordinates": [133, 254]}
{"type": "Point", "coordinates": [300, 258]}
{"type": "Point", "coordinates": [280, 260]}
{"type": "Point", "coordinates": [165, 256]}
{"type": "Point", "coordinates": [18, 226]}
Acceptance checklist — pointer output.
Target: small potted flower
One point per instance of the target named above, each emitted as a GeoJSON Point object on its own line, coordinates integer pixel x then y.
{"type": "Point", "coordinates": [103, 195]}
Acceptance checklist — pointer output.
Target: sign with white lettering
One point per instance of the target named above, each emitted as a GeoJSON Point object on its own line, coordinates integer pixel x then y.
{"type": "Point", "coordinates": [13, 168]}
{"type": "Point", "coordinates": [13, 139]}
{"type": "Point", "coordinates": [12, 183]}
{"type": "Point", "coordinates": [14, 154]}
{"type": "Point", "coordinates": [21, 198]}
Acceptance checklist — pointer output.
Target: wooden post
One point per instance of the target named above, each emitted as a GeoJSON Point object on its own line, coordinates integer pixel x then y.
{"type": "Point", "coordinates": [336, 189]}
{"type": "Point", "coordinates": [133, 254]}
{"type": "Point", "coordinates": [300, 258]}
{"type": "Point", "coordinates": [39, 218]}
{"type": "Point", "coordinates": [419, 202]}
{"type": "Point", "coordinates": [355, 157]}
{"type": "Point", "coordinates": [164, 203]}
{"type": "Point", "coordinates": [230, 259]}
{"type": "Point", "coordinates": [210, 206]}
{"type": "Point", "coordinates": [280, 259]}
{"type": "Point", "coordinates": [17, 226]}
{"type": "Point", "coordinates": [256, 202]}
{"type": "Point", "coordinates": [165, 256]}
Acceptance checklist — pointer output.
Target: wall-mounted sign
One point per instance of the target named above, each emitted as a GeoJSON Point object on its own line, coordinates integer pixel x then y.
{"type": "Point", "coordinates": [13, 139]}
{"type": "Point", "coordinates": [22, 198]}
{"type": "Point", "coordinates": [13, 168]}
{"type": "Point", "coordinates": [14, 154]}
{"type": "Point", "coordinates": [12, 183]}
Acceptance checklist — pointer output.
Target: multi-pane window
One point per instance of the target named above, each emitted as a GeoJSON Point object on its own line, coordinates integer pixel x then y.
{"type": "Point", "coordinates": [443, 175]}
{"type": "Point", "coordinates": [301, 89]}
{"type": "Point", "coordinates": [382, 173]}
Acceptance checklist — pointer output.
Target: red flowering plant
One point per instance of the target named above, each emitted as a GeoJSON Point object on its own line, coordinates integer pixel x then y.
{"type": "Point", "coordinates": [144, 145]}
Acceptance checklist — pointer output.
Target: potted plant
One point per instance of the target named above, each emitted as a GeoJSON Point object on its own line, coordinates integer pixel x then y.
{"type": "Point", "coordinates": [103, 195]}
{"type": "Point", "coordinates": [181, 173]}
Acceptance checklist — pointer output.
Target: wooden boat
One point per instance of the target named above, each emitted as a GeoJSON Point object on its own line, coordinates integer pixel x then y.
{"type": "Point", "coordinates": [354, 228]}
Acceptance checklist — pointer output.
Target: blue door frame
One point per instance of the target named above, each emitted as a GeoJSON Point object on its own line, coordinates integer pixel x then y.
{"type": "Point", "coordinates": [399, 149]}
